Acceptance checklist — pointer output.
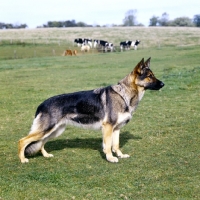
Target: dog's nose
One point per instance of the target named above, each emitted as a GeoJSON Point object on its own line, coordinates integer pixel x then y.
{"type": "Point", "coordinates": [162, 84]}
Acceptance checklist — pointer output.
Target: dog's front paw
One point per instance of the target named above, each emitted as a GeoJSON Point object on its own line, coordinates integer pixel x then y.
{"type": "Point", "coordinates": [112, 159]}
{"type": "Point", "coordinates": [120, 154]}
{"type": "Point", "coordinates": [124, 156]}
{"type": "Point", "coordinates": [24, 160]}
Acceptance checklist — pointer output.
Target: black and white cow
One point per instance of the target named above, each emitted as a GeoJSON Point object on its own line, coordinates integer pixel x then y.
{"type": "Point", "coordinates": [83, 41]}
{"type": "Point", "coordinates": [125, 45]}
{"type": "Point", "coordinates": [87, 42]}
{"type": "Point", "coordinates": [96, 43]}
{"type": "Point", "coordinates": [136, 44]}
{"type": "Point", "coordinates": [104, 44]}
{"type": "Point", "coordinates": [78, 41]}
{"type": "Point", "coordinates": [110, 46]}
{"type": "Point", "coordinates": [100, 43]}
{"type": "Point", "coordinates": [128, 44]}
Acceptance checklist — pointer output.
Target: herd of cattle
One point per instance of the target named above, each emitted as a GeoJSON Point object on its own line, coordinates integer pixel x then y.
{"type": "Point", "coordinates": [86, 44]}
{"type": "Point", "coordinates": [101, 45]}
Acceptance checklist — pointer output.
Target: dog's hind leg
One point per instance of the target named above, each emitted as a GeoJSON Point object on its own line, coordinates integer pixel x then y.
{"type": "Point", "coordinates": [115, 145]}
{"type": "Point", "coordinates": [107, 142]}
{"type": "Point", "coordinates": [44, 152]}
{"type": "Point", "coordinates": [57, 132]}
{"type": "Point", "coordinates": [24, 142]}
{"type": "Point", "coordinates": [35, 141]}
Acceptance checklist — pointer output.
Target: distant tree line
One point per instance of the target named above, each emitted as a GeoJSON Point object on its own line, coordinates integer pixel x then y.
{"type": "Point", "coordinates": [129, 20]}
{"type": "Point", "coordinates": [12, 26]}
{"type": "Point", "coordinates": [63, 24]}
{"type": "Point", "coordinates": [180, 21]}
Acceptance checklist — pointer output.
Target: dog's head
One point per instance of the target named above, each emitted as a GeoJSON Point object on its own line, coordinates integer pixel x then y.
{"type": "Point", "coordinates": [144, 77]}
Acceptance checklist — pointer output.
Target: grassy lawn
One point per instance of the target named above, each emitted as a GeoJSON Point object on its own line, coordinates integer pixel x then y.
{"type": "Point", "coordinates": [163, 138]}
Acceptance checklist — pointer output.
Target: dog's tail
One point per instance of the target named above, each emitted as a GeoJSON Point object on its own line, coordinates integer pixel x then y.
{"type": "Point", "coordinates": [33, 148]}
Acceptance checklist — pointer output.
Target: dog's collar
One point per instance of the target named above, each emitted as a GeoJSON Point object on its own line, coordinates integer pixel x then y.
{"type": "Point", "coordinates": [121, 91]}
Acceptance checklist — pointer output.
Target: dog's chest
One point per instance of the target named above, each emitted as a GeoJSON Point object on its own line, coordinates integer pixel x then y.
{"type": "Point", "coordinates": [140, 95]}
{"type": "Point", "coordinates": [123, 119]}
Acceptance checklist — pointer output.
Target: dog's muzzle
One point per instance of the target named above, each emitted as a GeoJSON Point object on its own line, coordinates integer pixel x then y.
{"type": "Point", "coordinates": [161, 84]}
{"type": "Point", "coordinates": [156, 86]}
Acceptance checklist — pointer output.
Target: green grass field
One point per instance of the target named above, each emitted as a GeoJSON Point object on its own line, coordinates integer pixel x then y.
{"type": "Point", "coordinates": [163, 138]}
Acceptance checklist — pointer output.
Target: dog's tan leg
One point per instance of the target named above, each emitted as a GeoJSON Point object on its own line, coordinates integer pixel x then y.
{"type": "Point", "coordinates": [115, 145]}
{"type": "Point", "coordinates": [44, 152]}
{"type": "Point", "coordinates": [107, 142]}
{"type": "Point", "coordinates": [55, 132]}
{"type": "Point", "coordinates": [24, 142]}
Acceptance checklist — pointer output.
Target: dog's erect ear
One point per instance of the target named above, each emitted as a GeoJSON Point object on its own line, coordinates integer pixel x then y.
{"type": "Point", "coordinates": [140, 64]}
{"type": "Point", "coordinates": [147, 62]}
{"type": "Point", "coordinates": [139, 67]}
{"type": "Point", "coordinates": [142, 61]}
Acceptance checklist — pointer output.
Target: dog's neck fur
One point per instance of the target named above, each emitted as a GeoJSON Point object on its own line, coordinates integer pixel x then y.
{"type": "Point", "coordinates": [130, 92]}
{"type": "Point", "coordinates": [131, 88]}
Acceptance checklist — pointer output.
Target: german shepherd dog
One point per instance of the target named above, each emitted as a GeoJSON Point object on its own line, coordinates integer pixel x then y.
{"type": "Point", "coordinates": [108, 109]}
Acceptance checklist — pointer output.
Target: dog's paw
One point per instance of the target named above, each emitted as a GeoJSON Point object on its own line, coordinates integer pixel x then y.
{"type": "Point", "coordinates": [112, 159]}
{"type": "Point", "coordinates": [124, 156]}
{"type": "Point", "coordinates": [48, 155]}
{"type": "Point", "coordinates": [24, 160]}
{"type": "Point", "coordinates": [120, 154]}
